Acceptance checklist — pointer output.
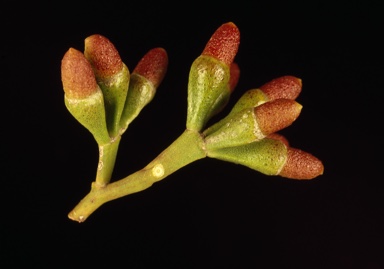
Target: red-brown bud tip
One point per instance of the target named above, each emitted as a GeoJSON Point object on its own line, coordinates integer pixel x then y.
{"type": "Point", "coordinates": [77, 75]}
{"type": "Point", "coordinates": [287, 87]}
{"type": "Point", "coordinates": [224, 43]}
{"type": "Point", "coordinates": [102, 55]}
{"type": "Point", "coordinates": [279, 137]}
{"type": "Point", "coordinates": [153, 66]}
{"type": "Point", "coordinates": [276, 115]}
{"type": "Point", "coordinates": [301, 165]}
{"type": "Point", "coordinates": [234, 76]}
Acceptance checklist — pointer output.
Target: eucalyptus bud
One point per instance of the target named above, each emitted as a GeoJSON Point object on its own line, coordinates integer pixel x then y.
{"type": "Point", "coordinates": [82, 95]}
{"type": "Point", "coordinates": [112, 75]}
{"type": "Point", "coordinates": [272, 156]}
{"type": "Point", "coordinates": [209, 77]}
{"type": "Point", "coordinates": [254, 123]}
{"type": "Point", "coordinates": [145, 79]}
{"type": "Point", "coordinates": [285, 87]}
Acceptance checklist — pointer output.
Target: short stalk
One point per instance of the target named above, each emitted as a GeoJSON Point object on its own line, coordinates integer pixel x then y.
{"type": "Point", "coordinates": [107, 159]}
{"type": "Point", "coordinates": [187, 148]}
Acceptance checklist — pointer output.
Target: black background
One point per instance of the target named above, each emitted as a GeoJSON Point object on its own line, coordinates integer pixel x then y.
{"type": "Point", "coordinates": [209, 214]}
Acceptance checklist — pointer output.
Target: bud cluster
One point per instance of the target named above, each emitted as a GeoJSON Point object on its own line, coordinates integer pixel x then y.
{"type": "Point", "coordinates": [244, 136]}
{"type": "Point", "coordinates": [101, 93]}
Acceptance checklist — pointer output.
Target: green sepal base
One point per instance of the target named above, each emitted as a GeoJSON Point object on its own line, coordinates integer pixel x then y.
{"type": "Point", "coordinates": [208, 80]}
{"type": "Point", "coordinates": [90, 112]}
{"type": "Point", "coordinates": [267, 156]}
{"type": "Point", "coordinates": [141, 92]}
{"type": "Point", "coordinates": [115, 90]}
{"type": "Point", "coordinates": [251, 98]}
{"type": "Point", "coordinates": [240, 129]}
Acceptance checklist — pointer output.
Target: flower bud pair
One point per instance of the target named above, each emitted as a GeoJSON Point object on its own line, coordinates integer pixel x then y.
{"type": "Point", "coordinates": [285, 87]}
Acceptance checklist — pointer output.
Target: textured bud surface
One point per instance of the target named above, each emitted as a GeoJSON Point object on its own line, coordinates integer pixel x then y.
{"type": "Point", "coordinates": [279, 137]}
{"type": "Point", "coordinates": [301, 165]}
{"type": "Point", "coordinates": [102, 55]}
{"type": "Point", "coordinates": [153, 66]}
{"type": "Point", "coordinates": [276, 115]}
{"type": "Point", "coordinates": [287, 87]}
{"type": "Point", "coordinates": [234, 76]}
{"type": "Point", "coordinates": [224, 43]}
{"type": "Point", "coordinates": [77, 75]}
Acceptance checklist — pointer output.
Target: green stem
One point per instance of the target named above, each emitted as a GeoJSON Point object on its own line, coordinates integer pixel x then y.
{"type": "Point", "coordinates": [107, 159]}
{"type": "Point", "coordinates": [187, 148]}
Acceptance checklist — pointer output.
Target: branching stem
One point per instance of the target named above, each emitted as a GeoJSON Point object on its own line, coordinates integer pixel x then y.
{"type": "Point", "coordinates": [187, 148]}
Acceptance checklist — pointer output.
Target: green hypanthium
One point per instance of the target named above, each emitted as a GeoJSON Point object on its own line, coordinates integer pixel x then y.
{"type": "Point", "coordinates": [105, 97]}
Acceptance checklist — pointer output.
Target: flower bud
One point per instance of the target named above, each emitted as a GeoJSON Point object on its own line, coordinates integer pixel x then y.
{"type": "Point", "coordinates": [276, 115]}
{"type": "Point", "coordinates": [153, 66]}
{"type": "Point", "coordinates": [266, 156]}
{"type": "Point", "coordinates": [271, 156]}
{"type": "Point", "coordinates": [77, 76]}
{"type": "Point", "coordinates": [145, 79]}
{"type": "Point", "coordinates": [209, 77]}
{"type": "Point", "coordinates": [224, 43]}
{"type": "Point", "coordinates": [112, 75]}
{"type": "Point", "coordinates": [253, 124]}
{"type": "Point", "coordinates": [83, 97]}
{"type": "Point", "coordinates": [286, 87]}
{"type": "Point", "coordinates": [103, 56]}
{"type": "Point", "coordinates": [301, 165]}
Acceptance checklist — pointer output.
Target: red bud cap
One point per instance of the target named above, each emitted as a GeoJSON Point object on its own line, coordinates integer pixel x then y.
{"type": "Point", "coordinates": [77, 75]}
{"type": "Point", "coordinates": [224, 43]}
{"type": "Point", "coordinates": [103, 56]}
{"type": "Point", "coordinates": [287, 87]}
{"type": "Point", "coordinates": [279, 137]}
{"type": "Point", "coordinates": [234, 77]}
{"type": "Point", "coordinates": [153, 66]}
{"type": "Point", "coordinates": [276, 115]}
{"type": "Point", "coordinates": [301, 165]}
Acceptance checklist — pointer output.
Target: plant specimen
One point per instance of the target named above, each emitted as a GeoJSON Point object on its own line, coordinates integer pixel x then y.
{"type": "Point", "coordinates": [102, 94]}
